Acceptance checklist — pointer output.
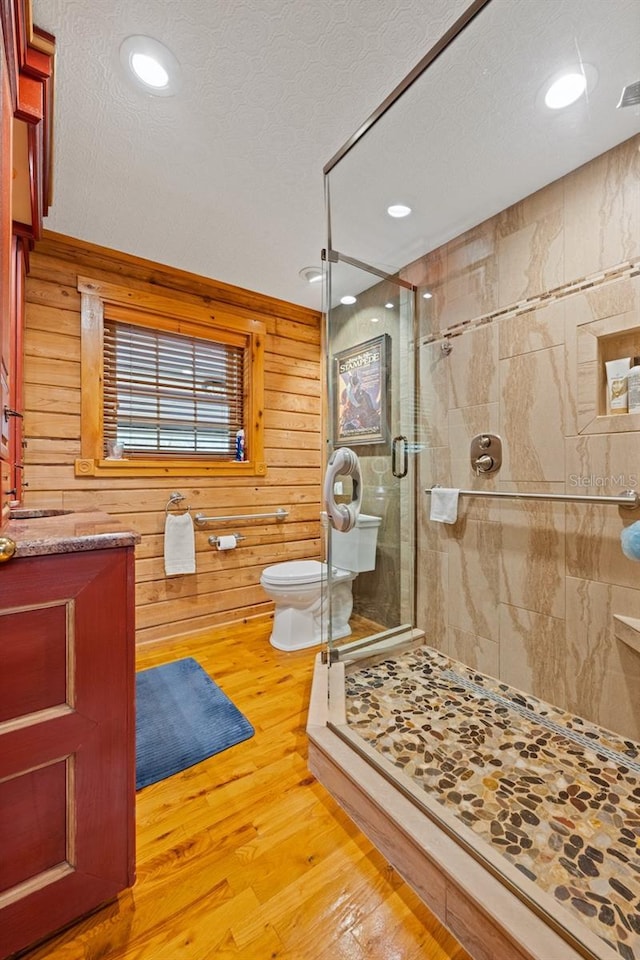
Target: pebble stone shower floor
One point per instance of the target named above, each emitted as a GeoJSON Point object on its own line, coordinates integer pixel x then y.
{"type": "Point", "coordinates": [555, 795]}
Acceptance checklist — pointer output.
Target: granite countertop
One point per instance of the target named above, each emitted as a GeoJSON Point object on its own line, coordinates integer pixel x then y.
{"type": "Point", "coordinates": [41, 532]}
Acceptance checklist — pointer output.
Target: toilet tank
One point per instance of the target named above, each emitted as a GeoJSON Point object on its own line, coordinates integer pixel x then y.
{"type": "Point", "coordinates": [356, 550]}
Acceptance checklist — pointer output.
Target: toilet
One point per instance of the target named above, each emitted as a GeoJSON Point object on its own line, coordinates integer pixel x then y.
{"type": "Point", "coordinates": [299, 588]}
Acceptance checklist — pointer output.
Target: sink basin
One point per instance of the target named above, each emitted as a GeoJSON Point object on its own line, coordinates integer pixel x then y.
{"type": "Point", "coordinates": [20, 514]}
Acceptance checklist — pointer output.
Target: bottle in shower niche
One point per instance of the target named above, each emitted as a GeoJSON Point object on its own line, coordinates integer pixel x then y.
{"type": "Point", "coordinates": [633, 386]}
{"type": "Point", "coordinates": [617, 385]}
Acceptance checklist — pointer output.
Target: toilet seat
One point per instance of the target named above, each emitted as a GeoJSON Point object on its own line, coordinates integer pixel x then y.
{"type": "Point", "coordinates": [299, 572]}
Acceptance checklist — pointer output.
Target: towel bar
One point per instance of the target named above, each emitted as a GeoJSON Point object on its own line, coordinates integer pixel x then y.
{"type": "Point", "coordinates": [628, 498]}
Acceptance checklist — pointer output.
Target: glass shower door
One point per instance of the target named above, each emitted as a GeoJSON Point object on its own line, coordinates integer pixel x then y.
{"type": "Point", "coordinates": [370, 372]}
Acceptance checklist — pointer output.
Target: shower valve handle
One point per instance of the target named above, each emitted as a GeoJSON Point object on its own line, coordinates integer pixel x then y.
{"type": "Point", "coordinates": [484, 464]}
{"type": "Point", "coordinates": [486, 453]}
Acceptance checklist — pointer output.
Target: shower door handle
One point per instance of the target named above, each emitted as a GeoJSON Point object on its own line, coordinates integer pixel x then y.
{"type": "Point", "coordinates": [394, 456]}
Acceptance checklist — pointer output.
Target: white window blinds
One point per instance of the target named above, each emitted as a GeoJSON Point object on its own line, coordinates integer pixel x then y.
{"type": "Point", "coordinates": [168, 394]}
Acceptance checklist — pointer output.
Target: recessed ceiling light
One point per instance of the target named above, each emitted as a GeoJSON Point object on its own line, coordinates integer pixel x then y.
{"type": "Point", "coordinates": [565, 90]}
{"type": "Point", "coordinates": [398, 210]}
{"type": "Point", "coordinates": [347, 300]}
{"type": "Point", "coordinates": [150, 65]}
{"type": "Point", "coordinates": [375, 319]}
{"type": "Point", "coordinates": [427, 295]}
{"type": "Point", "coordinates": [389, 306]}
{"type": "Point", "coordinates": [311, 274]}
{"type": "Point", "coordinates": [148, 70]}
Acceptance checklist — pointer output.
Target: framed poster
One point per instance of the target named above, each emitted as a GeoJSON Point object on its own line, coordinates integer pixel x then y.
{"type": "Point", "coordinates": [362, 392]}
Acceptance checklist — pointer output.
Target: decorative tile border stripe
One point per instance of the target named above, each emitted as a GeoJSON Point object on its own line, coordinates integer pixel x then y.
{"type": "Point", "coordinates": [594, 746]}
{"type": "Point", "coordinates": [622, 271]}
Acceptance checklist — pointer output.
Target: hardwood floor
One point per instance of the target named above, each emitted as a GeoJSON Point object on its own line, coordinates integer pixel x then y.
{"type": "Point", "coordinates": [246, 855]}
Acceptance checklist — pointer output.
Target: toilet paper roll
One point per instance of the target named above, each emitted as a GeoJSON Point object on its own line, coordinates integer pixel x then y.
{"type": "Point", "coordinates": [227, 543]}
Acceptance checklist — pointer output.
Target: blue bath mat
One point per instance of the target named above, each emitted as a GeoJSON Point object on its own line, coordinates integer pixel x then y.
{"type": "Point", "coordinates": [182, 717]}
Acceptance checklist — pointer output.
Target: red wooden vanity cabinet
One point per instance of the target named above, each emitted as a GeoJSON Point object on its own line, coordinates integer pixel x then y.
{"type": "Point", "coordinates": [67, 739]}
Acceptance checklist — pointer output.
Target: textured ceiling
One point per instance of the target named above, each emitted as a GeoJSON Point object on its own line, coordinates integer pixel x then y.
{"type": "Point", "coordinates": [225, 178]}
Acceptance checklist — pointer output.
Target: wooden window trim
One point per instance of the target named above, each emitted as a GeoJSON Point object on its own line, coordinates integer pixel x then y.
{"type": "Point", "coordinates": [100, 300]}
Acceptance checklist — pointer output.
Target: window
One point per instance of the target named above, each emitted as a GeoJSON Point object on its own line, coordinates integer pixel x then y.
{"type": "Point", "coordinates": [165, 393]}
{"type": "Point", "coordinates": [168, 384]}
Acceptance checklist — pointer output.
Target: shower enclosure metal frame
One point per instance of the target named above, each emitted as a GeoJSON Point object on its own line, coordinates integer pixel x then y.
{"type": "Point", "coordinates": [331, 256]}
{"type": "Point", "coordinates": [400, 471]}
{"type": "Point", "coordinates": [333, 743]}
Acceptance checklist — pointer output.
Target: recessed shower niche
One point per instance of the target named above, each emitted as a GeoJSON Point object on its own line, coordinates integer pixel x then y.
{"type": "Point", "coordinates": [599, 341]}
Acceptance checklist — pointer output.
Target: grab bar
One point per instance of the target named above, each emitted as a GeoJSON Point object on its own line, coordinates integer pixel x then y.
{"type": "Point", "coordinates": [628, 499]}
{"type": "Point", "coordinates": [279, 514]}
{"type": "Point", "coordinates": [343, 516]}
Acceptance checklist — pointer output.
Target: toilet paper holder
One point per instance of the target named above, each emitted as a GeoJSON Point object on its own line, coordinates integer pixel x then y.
{"type": "Point", "coordinates": [238, 536]}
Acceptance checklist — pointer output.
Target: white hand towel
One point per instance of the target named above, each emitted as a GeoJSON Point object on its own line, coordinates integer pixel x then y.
{"type": "Point", "coordinates": [179, 544]}
{"type": "Point", "coordinates": [444, 504]}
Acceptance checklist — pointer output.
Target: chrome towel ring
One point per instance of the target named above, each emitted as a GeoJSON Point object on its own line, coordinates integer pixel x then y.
{"type": "Point", "coordinates": [175, 499]}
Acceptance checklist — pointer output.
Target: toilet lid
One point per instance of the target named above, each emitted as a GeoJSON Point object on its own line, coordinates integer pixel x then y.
{"type": "Point", "coordinates": [296, 571]}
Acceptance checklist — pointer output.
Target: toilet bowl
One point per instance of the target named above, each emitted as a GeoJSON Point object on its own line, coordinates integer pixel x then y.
{"type": "Point", "coordinates": [300, 592]}
{"type": "Point", "coordinates": [298, 589]}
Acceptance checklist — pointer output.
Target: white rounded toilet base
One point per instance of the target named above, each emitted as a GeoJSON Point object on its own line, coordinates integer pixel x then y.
{"type": "Point", "coordinates": [288, 647]}
{"type": "Point", "coordinates": [301, 643]}
{"type": "Point", "coordinates": [296, 629]}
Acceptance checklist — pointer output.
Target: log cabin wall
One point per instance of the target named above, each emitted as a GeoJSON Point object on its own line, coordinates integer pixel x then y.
{"type": "Point", "coordinates": [226, 586]}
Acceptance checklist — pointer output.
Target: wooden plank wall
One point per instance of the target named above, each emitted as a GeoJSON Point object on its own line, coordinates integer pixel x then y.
{"type": "Point", "coordinates": [226, 587]}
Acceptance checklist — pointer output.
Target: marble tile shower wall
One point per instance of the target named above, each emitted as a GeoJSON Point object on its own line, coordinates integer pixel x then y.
{"type": "Point", "coordinates": [527, 591]}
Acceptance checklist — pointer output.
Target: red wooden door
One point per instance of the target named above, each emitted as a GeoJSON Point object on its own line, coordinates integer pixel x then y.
{"type": "Point", "coordinates": [16, 346]}
{"type": "Point", "coordinates": [6, 274]}
{"type": "Point", "coordinates": [67, 735]}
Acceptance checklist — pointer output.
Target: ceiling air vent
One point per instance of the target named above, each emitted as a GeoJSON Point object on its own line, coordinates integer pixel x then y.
{"type": "Point", "coordinates": [630, 95]}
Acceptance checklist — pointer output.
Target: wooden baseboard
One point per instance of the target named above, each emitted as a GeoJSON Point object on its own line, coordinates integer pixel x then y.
{"type": "Point", "coordinates": [220, 628]}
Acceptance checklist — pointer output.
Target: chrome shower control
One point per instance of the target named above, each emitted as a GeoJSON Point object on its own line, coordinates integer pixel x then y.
{"type": "Point", "coordinates": [486, 453]}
